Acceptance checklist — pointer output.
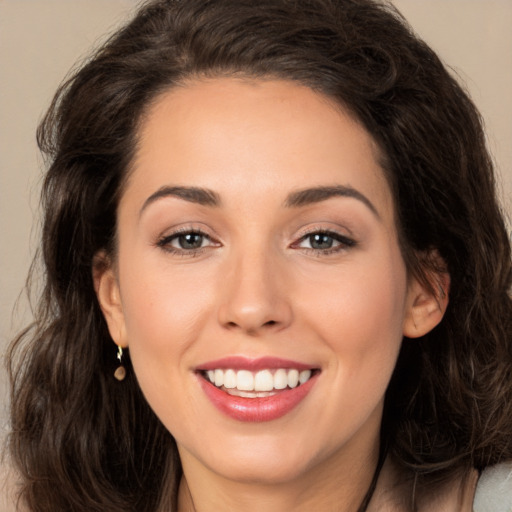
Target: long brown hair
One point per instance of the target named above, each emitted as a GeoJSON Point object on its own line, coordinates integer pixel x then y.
{"type": "Point", "coordinates": [83, 441]}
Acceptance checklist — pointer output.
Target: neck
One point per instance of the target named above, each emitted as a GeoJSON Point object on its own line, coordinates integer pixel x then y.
{"type": "Point", "coordinates": [331, 486]}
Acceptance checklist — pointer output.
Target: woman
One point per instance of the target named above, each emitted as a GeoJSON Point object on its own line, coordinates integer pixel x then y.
{"type": "Point", "coordinates": [277, 274]}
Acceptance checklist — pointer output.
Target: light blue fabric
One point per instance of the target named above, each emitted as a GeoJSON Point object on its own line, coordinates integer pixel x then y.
{"type": "Point", "coordinates": [494, 489]}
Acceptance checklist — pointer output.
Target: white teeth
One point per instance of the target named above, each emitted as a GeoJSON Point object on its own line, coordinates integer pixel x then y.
{"type": "Point", "coordinates": [244, 380]}
{"type": "Point", "coordinates": [229, 379]}
{"type": "Point", "coordinates": [263, 381]}
{"type": "Point", "coordinates": [258, 382]}
{"type": "Point", "coordinates": [304, 376]}
{"type": "Point", "coordinates": [219, 378]}
{"type": "Point", "coordinates": [281, 379]}
{"type": "Point", "coordinates": [293, 378]}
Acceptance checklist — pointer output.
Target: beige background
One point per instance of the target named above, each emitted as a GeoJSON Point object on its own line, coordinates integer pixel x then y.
{"type": "Point", "coordinates": [40, 40]}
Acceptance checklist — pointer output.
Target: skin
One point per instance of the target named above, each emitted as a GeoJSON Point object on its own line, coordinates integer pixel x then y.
{"type": "Point", "coordinates": [257, 287]}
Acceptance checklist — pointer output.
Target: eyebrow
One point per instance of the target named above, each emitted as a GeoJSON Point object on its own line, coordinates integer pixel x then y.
{"type": "Point", "coordinates": [304, 197]}
{"type": "Point", "coordinates": [202, 196]}
{"type": "Point", "coordinates": [314, 195]}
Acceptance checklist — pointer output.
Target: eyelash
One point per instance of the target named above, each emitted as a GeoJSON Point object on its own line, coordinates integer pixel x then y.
{"type": "Point", "coordinates": [344, 242]}
{"type": "Point", "coordinates": [165, 242]}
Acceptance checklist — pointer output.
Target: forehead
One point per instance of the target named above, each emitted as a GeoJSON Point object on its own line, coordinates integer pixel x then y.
{"type": "Point", "coordinates": [255, 137]}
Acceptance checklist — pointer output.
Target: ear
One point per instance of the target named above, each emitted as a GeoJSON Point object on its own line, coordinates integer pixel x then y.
{"type": "Point", "coordinates": [426, 303]}
{"type": "Point", "coordinates": [106, 286]}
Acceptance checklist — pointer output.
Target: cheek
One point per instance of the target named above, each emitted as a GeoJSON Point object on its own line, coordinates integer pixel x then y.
{"type": "Point", "coordinates": [359, 312]}
{"type": "Point", "coordinates": [358, 318]}
{"type": "Point", "coordinates": [163, 316]}
{"type": "Point", "coordinates": [162, 311]}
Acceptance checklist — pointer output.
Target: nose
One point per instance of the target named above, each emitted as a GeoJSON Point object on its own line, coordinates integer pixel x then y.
{"type": "Point", "coordinates": [255, 299]}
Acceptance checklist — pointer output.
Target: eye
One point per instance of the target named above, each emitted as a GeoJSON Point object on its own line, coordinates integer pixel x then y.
{"type": "Point", "coordinates": [186, 242]}
{"type": "Point", "coordinates": [319, 241]}
{"type": "Point", "coordinates": [325, 242]}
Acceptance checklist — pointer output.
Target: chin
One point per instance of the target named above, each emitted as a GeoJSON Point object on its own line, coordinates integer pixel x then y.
{"type": "Point", "coordinates": [262, 472]}
{"type": "Point", "coordinates": [262, 460]}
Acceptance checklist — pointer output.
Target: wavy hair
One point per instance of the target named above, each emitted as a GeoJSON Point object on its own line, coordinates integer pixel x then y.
{"type": "Point", "coordinates": [83, 441]}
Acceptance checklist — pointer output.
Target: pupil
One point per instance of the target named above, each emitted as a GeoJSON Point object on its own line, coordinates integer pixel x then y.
{"type": "Point", "coordinates": [321, 241]}
{"type": "Point", "coordinates": [191, 241]}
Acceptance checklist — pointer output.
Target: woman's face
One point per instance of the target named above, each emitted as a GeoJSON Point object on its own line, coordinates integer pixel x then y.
{"type": "Point", "coordinates": [257, 245]}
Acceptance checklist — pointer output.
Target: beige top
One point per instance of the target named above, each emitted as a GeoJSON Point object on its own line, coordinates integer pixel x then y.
{"type": "Point", "coordinates": [494, 489]}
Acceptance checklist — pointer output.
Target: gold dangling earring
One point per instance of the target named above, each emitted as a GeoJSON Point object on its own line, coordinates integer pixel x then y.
{"type": "Point", "coordinates": [120, 372]}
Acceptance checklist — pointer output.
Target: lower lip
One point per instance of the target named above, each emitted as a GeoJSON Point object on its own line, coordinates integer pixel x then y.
{"type": "Point", "coordinates": [258, 409]}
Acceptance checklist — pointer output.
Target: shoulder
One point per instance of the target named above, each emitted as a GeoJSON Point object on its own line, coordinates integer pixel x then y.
{"type": "Point", "coordinates": [494, 490]}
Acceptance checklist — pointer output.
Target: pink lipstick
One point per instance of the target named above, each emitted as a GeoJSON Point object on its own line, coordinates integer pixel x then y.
{"type": "Point", "coordinates": [256, 390]}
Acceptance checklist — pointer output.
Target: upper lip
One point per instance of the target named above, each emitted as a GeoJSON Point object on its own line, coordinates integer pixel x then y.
{"type": "Point", "coordinates": [245, 363]}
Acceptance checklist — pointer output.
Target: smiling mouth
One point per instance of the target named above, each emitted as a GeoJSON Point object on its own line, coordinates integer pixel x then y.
{"type": "Point", "coordinates": [256, 390]}
{"type": "Point", "coordinates": [257, 384]}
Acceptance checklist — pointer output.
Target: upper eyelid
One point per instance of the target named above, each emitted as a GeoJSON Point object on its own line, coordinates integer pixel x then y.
{"type": "Point", "coordinates": [301, 235]}
{"type": "Point", "coordinates": [182, 230]}
{"type": "Point", "coordinates": [325, 230]}
{"type": "Point", "coordinates": [166, 239]}
{"type": "Point", "coordinates": [344, 239]}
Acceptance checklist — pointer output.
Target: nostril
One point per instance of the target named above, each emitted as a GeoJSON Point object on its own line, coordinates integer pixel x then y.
{"type": "Point", "coordinates": [270, 323]}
